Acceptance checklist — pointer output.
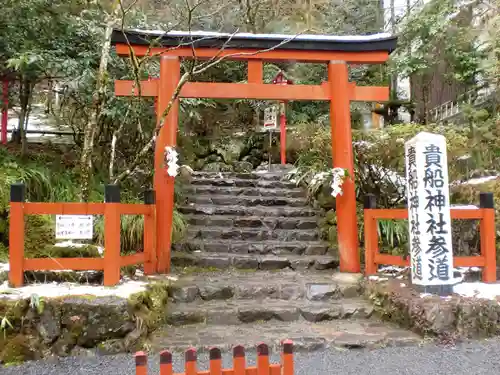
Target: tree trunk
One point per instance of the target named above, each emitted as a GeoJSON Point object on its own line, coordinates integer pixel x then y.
{"type": "Point", "coordinates": [98, 100]}
{"type": "Point", "coordinates": [24, 101]}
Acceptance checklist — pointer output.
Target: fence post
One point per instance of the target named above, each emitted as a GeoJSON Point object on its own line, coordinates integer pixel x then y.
{"type": "Point", "coordinates": [488, 237]}
{"type": "Point", "coordinates": [287, 358]}
{"type": "Point", "coordinates": [149, 233]}
{"type": "Point", "coordinates": [239, 362]}
{"type": "Point", "coordinates": [215, 361]}
{"type": "Point", "coordinates": [141, 363]}
{"type": "Point", "coordinates": [371, 234]}
{"type": "Point", "coordinates": [16, 235]}
{"type": "Point", "coordinates": [190, 362]}
{"type": "Point", "coordinates": [112, 229]}
{"type": "Point", "coordinates": [262, 359]}
{"type": "Point", "coordinates": [166, 363]}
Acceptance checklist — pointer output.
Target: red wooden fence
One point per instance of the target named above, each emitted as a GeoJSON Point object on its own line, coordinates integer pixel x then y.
{"type": "Point", "coordinates": [112, 210]}
{"type": "Point", "coordinates": [264, 367]}
{"type": "Point", "coordinates": [485, 213]}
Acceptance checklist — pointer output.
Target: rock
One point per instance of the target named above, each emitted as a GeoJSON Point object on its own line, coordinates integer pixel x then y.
{"type": "Point", "coordinates": [344, 277]}
{"type": "Point", "coordinates": [94, 319]}
{"type": "Point", "coordinates": [49, 325]}
{"type": "Point", "coordinates": [133, 340]}
{"type": "Point", "coordinates": [183, 293]}
{"type": "Point", "coordinates": [217, 167]}
{"type": "Point", "coordinates": [318, 314]}
{"type": "Point", "coordinates": [109, 347]}
{"type": "Point", "coordinates": [78, 351]}
{"type": "Point", "coordinates": [441, 316]}
{"type": "Point", "coordinates": [179, 318]}
{"type": "Point", "coordinates": [214, 262]}
{"type": "Point", "coordinates": [326, 263]}
{"type": "Point", "coordinates": [322, 292]}
{"type": "Point", "coordinates": [243, 166]}
{"type": "Point", "coordinates": [308, 344]}
{"type": "Point", "coordinates": [316, 250]}
{"type": "Point", "coordinates": [249, 315]}
{"type": "Point", "coordinates": [301, 264]}
{"type": "Point", "coordinates": [357, 341]}
{"type": "Point", "coordinates": [211, 292]}
{"type": "Point", "coordinates": [245, 263]}
{"type": "Point", "coordinates": [307, 224]}
{"type": "Point", "coordinates": [356, 311]}
{"type": "Point", "coordinates": [274, 263]}
{"type": "Point", "coordinates": [291, 292]}
{"type": "Point", "coordinates": [284, 314]}
{"type": "Point", "coordinates": [20, 348]}
{"type": "Point", "coordinates": [256, 291]}
{"type": "Point", "coordinates": [62, 347]}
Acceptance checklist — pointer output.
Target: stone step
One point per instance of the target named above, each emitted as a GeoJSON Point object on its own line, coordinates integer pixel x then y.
{"type": "Point", "coordinates": [262, 262]}
{"type": "Point", "coordinates": [306, 337]}
{"type": "Point", "coordinates": [253, 234]}
{"type": "Point", "coordinates": [242, 182]}
{"type": "Point", "coordinates": [248, 211]}
{"type": "Point", "coordinates": [253, 221]}
{"type": "Point", "coordinates": [232, 312]}
{"type": "Point", "coordinates": [264, 175]}
{"type": "Point", "coordinates": [231, 200]}
{"type": "Point", "coordinates": [260, 247]}
{"type": "Point", "coordinates": [245, 191]}
{"type": "Point", "coordinates": [277, 285]}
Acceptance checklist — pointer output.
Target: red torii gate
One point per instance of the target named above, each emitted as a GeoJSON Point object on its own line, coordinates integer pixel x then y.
{"type": "Point", "coordinates": [335, 51]}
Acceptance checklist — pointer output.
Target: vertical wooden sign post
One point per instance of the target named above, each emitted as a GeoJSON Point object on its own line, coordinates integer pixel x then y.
{"type": "Point", "coordinates": [429, 214]}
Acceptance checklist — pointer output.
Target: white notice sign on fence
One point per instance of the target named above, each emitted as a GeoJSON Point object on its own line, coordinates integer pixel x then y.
{"type": "Point", "coordinates": [74, 227]}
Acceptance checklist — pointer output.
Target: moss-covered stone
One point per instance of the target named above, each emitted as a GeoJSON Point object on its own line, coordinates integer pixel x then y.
{"type": "Point", "coordinates": [434, 316]}
{"type": "Point", "coordinates": [19, 348]}
{"type": "Point", "coordinates": [111, 323]}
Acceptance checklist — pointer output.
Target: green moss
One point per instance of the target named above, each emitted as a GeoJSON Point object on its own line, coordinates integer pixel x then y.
{"type": "Point", "coordinates": [193, 270]}
{"type": "Point", "coordinates": [17, 349]}
{"type": "Point", "coordinates": [149, 306]}
{"type": "Point", "coordinates": [40, 232]}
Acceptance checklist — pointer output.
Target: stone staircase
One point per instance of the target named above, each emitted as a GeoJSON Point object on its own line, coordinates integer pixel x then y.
{"type": "Point", "coordinates": [251, 221]}
{"type": "Point", "coordinates": [253, 269]}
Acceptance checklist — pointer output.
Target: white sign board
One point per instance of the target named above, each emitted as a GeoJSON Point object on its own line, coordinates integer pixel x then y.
{"type": "Point", "coordinates": [429, 210]}
{"type": "Point", "coordinates": [270, 117]}
{"type": "Point", "coordinates": [74, 227]}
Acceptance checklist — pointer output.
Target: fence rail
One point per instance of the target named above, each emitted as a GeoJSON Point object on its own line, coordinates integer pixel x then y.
{"type": "Point", "coordinates": [475, 97]}
{"type": "Point", "coordinates": [264, 367]}
{"type": "Point", "coordinates": [485, 213]}
{"type": "Point", "coordinates": [112, 209]}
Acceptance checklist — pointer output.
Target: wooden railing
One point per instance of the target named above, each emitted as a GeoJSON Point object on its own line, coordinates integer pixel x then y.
{"type": "Point", "coordinates": [485, 213]}
{"type": "Point", "coordinates": [112, 210]}
{"type": "Point", "coordinates": [286, 367]}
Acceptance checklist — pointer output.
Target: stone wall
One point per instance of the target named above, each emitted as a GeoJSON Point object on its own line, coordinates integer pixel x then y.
{"type": "Point", "coordinates": [239, 152]}
{"type": "Point", "coordinates": [74, 325]}
{"type": "Point", "coordinates": [447, 318]}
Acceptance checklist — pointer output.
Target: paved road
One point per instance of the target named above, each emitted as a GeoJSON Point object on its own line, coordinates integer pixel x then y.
{"type": "Point", "coordinates": [464, 359]}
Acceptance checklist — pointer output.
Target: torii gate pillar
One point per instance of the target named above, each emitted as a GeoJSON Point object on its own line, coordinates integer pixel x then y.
{"type": "Point", "coordinates": [343, 157]}
{"type": "Point", "coordinates": [170, 70]}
